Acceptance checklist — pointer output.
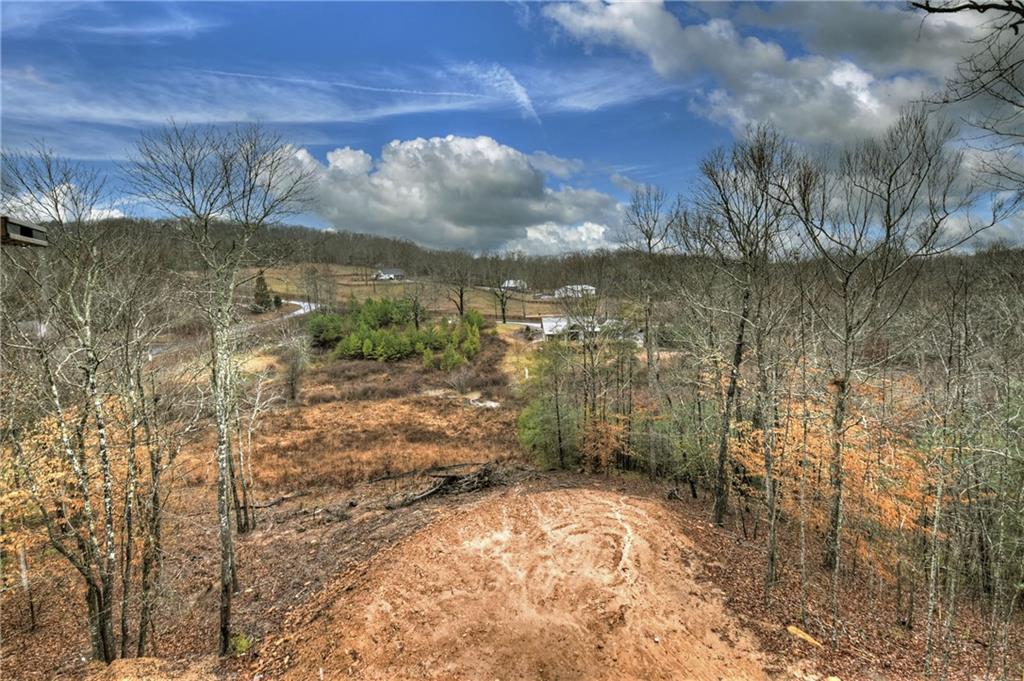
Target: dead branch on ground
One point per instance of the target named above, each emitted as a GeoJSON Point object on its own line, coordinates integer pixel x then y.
{"type": "Point", "coordinates": [450, 483]}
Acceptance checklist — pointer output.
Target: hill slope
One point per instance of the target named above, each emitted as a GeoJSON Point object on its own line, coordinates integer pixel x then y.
{"type": "Point", "coordinates": [561, 584]}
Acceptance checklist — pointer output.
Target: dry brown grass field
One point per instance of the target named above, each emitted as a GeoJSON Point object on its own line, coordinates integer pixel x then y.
{"type": "Point", "coordinates": [357, 282]}
{"type": "Point", "coordinates": [359, 420]}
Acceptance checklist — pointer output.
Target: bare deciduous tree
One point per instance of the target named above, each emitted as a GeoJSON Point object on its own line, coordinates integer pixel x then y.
{"type": "Point", "coordinates": [502, 278]}
{"type": "Point", "coordinates": [648, 223]}
{"type": "Point", "coordinates": [870, 221]}
{"type": "Point", "coordinates": [223, 188]}
{"type": "Point", "coordinates": [456, 272]}
{"type": "Point", "coordinates": [85, 417]}
{"type": "Point", "coordinates": [736, 218]}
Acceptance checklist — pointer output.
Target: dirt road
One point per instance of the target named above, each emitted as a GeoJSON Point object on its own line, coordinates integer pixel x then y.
{"type": "Point", "coordinates": [564, 584]}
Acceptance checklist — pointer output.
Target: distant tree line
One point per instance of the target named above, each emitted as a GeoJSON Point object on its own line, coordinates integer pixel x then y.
{"type": "Point", "coordinates": [283, 244]}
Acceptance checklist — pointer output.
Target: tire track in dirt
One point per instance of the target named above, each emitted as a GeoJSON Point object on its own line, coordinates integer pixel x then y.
{"type": "Point", "coordinates": [566, 584]}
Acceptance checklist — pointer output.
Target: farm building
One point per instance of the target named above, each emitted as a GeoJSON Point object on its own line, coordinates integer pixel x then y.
{"type": "Point", "coordinates": [575, 291]}
{"type": "Point", "coordinates": [33, 329]}
{"type": "Point", "coordinates": [514, 285]}
{"type": "Point", "coordinates": [389, 274]}
{"type": "Point", "coordinates": [570, 327]}
{"type": "Point", "coordinates": [555, 326]}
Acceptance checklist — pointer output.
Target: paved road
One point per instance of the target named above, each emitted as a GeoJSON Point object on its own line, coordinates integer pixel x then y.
{"type": "Point", "coordinates": [303, 308]}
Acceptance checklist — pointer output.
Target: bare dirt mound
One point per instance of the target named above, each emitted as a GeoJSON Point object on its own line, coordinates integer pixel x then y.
{"type": "Point", "coordinates": [565, 584]}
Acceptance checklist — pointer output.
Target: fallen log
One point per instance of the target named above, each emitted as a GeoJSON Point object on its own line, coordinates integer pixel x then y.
{"type": "Point", "coordinates": [451, 483]}
{"type": "Point", "coordinates": [280, 500]}
{"type": "Point", "coordinates": [424, 471]}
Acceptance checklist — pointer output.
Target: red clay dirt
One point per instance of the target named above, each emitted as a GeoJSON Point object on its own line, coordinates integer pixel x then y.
{"type": "Point", "coordinates": [558, 584]}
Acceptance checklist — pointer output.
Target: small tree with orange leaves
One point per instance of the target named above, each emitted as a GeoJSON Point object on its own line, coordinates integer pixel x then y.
{"type": "Point", "coordinates": [602, 444]}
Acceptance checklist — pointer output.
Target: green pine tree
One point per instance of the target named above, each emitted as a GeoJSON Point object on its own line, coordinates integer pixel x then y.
{"type": "Point", "coordinates": [262, 300]}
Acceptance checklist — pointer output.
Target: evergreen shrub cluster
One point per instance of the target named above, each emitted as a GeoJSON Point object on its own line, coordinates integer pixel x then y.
{"type": "Point", "coordinates": [386, 330]}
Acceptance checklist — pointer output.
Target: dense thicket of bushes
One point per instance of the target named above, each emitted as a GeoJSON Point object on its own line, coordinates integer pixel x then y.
{"type": "Point", "coordinates": [386, 330]}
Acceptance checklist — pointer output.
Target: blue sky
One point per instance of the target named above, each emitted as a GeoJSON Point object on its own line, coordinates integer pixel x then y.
{"type": "Point", "coordinates": [477, 125]}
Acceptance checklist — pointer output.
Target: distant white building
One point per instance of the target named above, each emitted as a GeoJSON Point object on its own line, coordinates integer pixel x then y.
{"type": "Point", "coordinates": [554, 326]}
{"type": "Point", "coordinates": [574, 328]}
{"type": "Point", "coordinates": [571, 327]}
{"type": "Point", "coordinates": [514, 285]}
{"type": "Point", "coordinates": [389, 274]}
{"type": "Point", "coordinates": [575, 291]}
{"type": "Point", "coordinates": [34, 329]}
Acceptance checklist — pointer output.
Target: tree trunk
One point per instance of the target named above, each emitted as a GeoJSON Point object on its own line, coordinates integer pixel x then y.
{"type": "Point", "coordinates": [92, 616]}
{"type": "Point", "coordinates": [805, 429]}
{"type": "Point", "coordinates": [951, 585]}
{"type": "Point", "coordinates": [26, 586]}
{"type": "Point", "coordinates": [721, 476]}
{"type": "Point", "coordinates": [107, 565]}
{"type": "Point", "coordinates": [833, 544]}
{"type": "Point", "coordinates": [652, 380]}
{"type": "Point", "coordinates": [151, 551]}
{"type": "Point", "coordinates": [771, 570]}
{"type": "Point", "coordinates": [839, 406]}
{"type": "Point", "coordinates": [222, 408]}
{"type": "Point", "coordinates": [933, 575]}
{"type": "Point", "coordinates": [558, 427]}
{"type": "Point", "coordinates": [461, 302]}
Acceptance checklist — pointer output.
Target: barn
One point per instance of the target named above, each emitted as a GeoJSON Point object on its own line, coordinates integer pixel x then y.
{"type": "Point", "coordinates": [389, 274]}
{"type": "Point", "coordinates": [575, 291]}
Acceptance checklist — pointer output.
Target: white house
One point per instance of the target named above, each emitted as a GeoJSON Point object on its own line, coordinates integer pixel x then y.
{"type": "Point", "coordinates": [514, 285]}
{"type": "Point", "coordinates": [555, 326]}
{"type": "Point", "coordinates": [34, 329]}
{"type": "Point", "coordinates": [575, 291]}
{"type": "Point", "coordinates": [389, 274]}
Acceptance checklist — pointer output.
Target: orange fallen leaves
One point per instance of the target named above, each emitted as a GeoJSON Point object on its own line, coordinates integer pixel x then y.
{"type": "Point", "coordinates": [887, 489]}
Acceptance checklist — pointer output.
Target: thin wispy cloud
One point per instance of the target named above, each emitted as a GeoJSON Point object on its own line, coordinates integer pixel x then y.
{"type": "Point", "coordinates": [595, 86]}
{"type": "Point", "coordinates": [173, 24]}
{"type": "Point", "coordinates": [152, 98]}
{"type": "Point", "coordinates": [498, 80]}
{"type": "Point", "coordinates": [99, 21]}
{"type": "Point", "coordinates": [352, 86]}
{"type": "Point", "coordinates": [26, 17]}
{"type": "Point", "coordinates": [147, 97]}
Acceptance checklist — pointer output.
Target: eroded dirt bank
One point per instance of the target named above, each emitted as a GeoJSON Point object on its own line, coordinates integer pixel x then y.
{"type": "Point", "coordinates": [563, 584]}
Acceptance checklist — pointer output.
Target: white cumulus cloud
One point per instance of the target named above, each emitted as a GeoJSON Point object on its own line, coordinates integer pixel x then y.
{"type": "Point", "coordinates": [739, 79]}
{"type": "Point", "coordinates": [60, 203]}
{"type": "Point", "coordinates": [552, 239]}
{"type": "Point", "coordinates": [458, 192]}
{"type": "Point", "coordinates": [555, 165]}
